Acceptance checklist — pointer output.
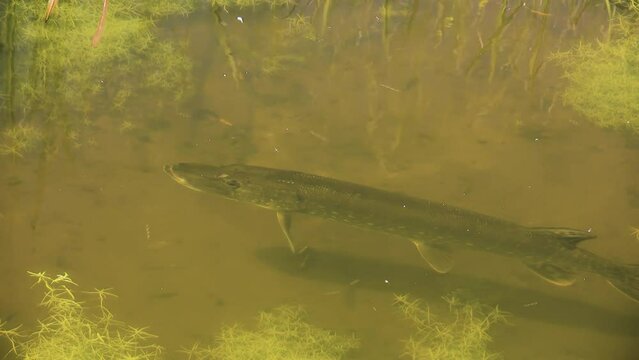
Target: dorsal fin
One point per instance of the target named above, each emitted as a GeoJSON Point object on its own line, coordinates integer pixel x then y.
{"type": "Point", "coordinates": [570, 237]}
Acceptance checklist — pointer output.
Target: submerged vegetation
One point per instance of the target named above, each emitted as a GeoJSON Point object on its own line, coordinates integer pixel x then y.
{"type": "Point", "coordinates": [603, 77]}
{"type": "Point", "coordinates": [71, 330]}
{"type": "Point", "coordinates": [281, 334]}
{"type": "Point", "coordinates": [465, 337]}
{"type": "Point", "coordinates": [20, 139]}
{"type": "Point", "coordinates": [603, 81]}
{"type": "Point", "coordinates": [61, 74]}
{"type": "Point", "coordinates": [74, 330]}
{"type": "Point", "coordinates": [57, 84]}
{"type": "Point", "coordinates": [252, 3]}
{"type": "Point", "coordinates": [60, 82]}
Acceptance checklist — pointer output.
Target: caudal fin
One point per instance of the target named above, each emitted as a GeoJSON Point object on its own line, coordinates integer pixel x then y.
{"type": "Point", "coordinates": [628, 282]}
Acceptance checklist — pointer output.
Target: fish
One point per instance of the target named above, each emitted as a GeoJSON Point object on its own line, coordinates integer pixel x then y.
{"type": "Point", "coordinates": [436, 228]}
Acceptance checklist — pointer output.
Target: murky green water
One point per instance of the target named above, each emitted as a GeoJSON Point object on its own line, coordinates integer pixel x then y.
{"type": "Point", "coordinates": [405, 99]}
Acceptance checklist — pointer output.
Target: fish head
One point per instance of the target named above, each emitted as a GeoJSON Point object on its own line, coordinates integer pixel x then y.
{"type": "Point", "coordinates": [249, 184]}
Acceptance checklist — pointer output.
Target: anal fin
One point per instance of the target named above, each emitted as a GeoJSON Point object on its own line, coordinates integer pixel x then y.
{"type": "Point", "coordinates": [439, 259]}
{"type": "Point", "coordinates": [552, 273]}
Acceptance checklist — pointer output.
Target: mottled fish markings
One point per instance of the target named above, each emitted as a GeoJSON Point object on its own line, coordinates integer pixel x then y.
{"type": "Point", "coordinates": [433, 227]}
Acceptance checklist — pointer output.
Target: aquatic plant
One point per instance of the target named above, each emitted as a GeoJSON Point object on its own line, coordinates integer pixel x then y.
{"type": "Point", "coordinates": [634, 232]}
{"type": "Point", "coordinates": [56, 73]}
{"type": "Point", "coordinates": [631, 6]}
{"type": "Point", "coordinates": [297, 29]}
{"type": "Point", "coordinates": [281, 334]}
{"type": "Point", "coordinates": [251, 3]}
{"type": "Point", "coordinates": [505, 18]}
{"type": "Point", "coordinates": [64, 61]}
{"type": "Point", "coordinates": [603, 81]}
{"type": "Point", "coordinates": [72, 331]}
{"type": "Point", "coordinates": [602, 78]}
{"type": "Point", "coordinates": [19, 139]}
{"type": "Point", "coordinates": [275, 51]}
{"type": "Point", "coordinates": [464, 338]}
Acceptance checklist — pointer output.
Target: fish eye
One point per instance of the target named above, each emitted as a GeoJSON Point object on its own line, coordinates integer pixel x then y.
{"type": "Point", "coordinates": [232, 183]}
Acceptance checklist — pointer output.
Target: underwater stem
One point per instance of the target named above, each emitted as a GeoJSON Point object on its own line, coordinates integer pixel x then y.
{"type": "Point", "coordinates": [10, 33]}
{"type": "Point", "coordinates": [386, 12]}
{"type": "Point", "coordinates": [533, 65]}
{"type": "Point", "coordinates": [95, 40]}
{"type": "Point", "coordinates": [235, 73]}
{"type": "Point", "coordinates": [505, 19]}
{"type": "Point", "coordinates": [325, 10]}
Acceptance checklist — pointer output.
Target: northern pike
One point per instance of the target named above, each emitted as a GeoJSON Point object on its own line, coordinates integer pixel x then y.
{"type": "Point", "coordinates": [433, 227]}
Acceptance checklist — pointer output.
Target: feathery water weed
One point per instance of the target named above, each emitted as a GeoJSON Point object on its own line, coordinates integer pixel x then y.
{"type": "Point", "coordinates": [72, 331]}
{"type": "Point", "coordinates": [281, 334]}
{"type": "Point", "coordinates": [465, 337]}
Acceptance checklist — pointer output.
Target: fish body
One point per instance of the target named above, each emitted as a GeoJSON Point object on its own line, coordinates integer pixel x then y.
{"type": "Point", "coordinates": [432, 226]}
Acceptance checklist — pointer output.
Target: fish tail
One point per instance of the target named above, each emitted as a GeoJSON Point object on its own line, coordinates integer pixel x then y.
{"type": "Point", "coordinates": [627, 281]}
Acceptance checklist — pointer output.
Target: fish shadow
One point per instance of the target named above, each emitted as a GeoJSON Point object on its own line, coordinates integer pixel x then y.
{"type": "Point", "coordinates": [381, 275]}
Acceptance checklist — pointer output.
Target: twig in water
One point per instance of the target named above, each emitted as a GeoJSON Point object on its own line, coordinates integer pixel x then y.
{"type": "Point", "coordinates": [50, 5]}
{"type": "Point", "coordinates": [95, 40]}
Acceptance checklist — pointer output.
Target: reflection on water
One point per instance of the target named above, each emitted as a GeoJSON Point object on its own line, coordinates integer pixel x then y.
{"type": "Point", "coordinates": [447, 100]}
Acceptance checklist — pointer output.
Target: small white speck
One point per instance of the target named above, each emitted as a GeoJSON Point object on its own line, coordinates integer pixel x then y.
{"type": "Point", "coordinates": [239, 18]}
{"type": "Point", "coordinates": [386, 282]}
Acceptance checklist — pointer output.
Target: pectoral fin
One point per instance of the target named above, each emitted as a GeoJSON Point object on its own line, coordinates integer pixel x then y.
{"type": "Point", "coordinates": [552, 273]}
{"type": "Point", "coordinates": [284, 219]}
{"type": "Point", "coordinates": [439, 259]}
